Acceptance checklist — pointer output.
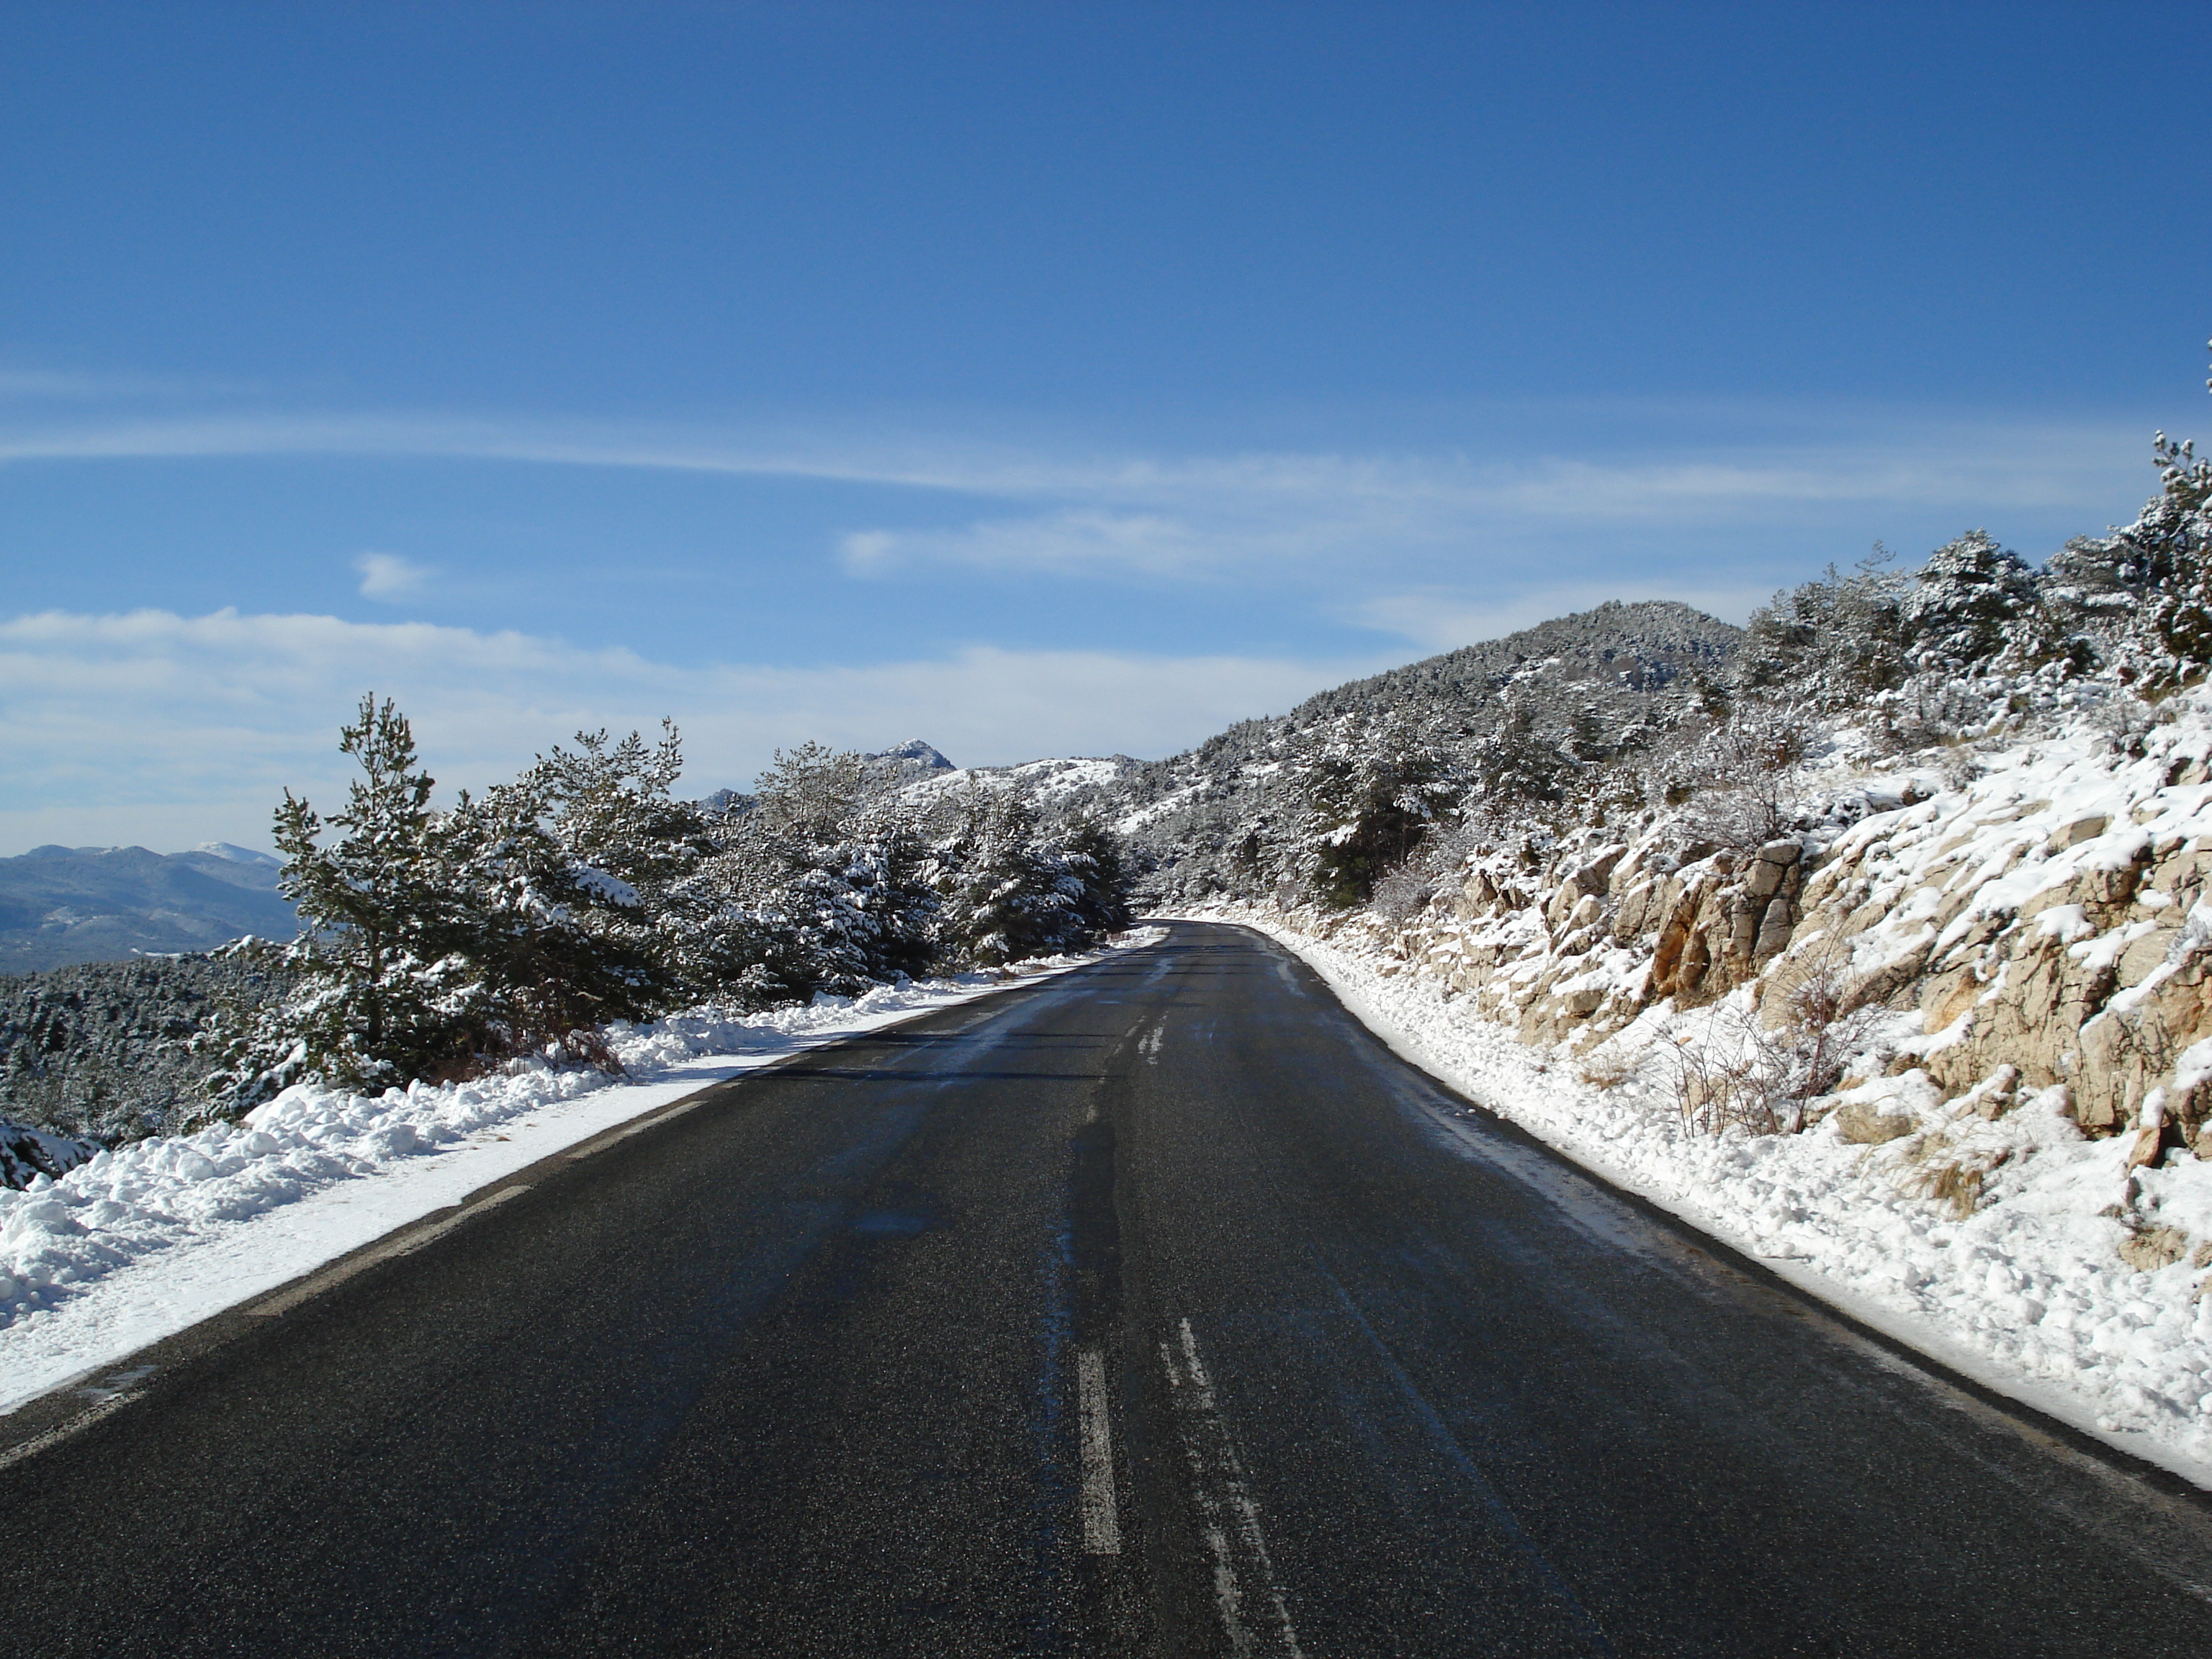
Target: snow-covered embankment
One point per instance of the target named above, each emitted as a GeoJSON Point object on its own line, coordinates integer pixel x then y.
{"type": "Point", "coordinates": [2009, 1173]}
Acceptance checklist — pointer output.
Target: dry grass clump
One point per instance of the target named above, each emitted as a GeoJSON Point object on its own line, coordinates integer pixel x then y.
{"type": "Point", "coordinates": [1606, 1068]}
{"type": "Point", "coordinates": [1958, 1184]}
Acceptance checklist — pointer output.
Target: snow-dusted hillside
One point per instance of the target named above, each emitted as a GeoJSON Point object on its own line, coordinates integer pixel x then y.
{"type": "Point", "coordinates": [2005, 951]}
{"type": "Point", "coordinates": [1057, 787]}
{"type": "Point", "coordinates": [61, 905]}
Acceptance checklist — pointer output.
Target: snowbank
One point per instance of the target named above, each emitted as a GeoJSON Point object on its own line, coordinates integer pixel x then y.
{"type": "Point", "coordinates": [2028, 1293]}
{"type": "Point", "coordinates": [140, 1242]}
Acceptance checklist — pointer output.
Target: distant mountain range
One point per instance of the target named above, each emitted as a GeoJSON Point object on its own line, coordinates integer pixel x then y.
{"type": "Point", "coordinates": [60, 905]}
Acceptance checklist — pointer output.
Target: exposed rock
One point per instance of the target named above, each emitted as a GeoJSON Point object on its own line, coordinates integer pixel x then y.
{"type": "Point", "coordinates": [2081, 830]}
{"type": "Point", "coordinates": [2153, 1248]}
{"type": "Point", "coordinates": [1859, 1123]}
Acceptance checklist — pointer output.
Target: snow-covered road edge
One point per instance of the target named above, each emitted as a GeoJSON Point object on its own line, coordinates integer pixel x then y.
{"type": "Point", "coordinates": [145, 1241]}
{"type": "Point", "coordinates": [1410, 1014]}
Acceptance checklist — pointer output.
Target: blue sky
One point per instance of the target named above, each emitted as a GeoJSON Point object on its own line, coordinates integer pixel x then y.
{"type": "Point", "coordinates": [1034, 378]}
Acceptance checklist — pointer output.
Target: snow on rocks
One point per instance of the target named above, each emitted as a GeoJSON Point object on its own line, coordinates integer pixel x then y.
{"type": "Point", "coordinates": [2011, 1160]}
{"type": "Point", "coordinates": [135, 1243]}
{"type": "Point", "coordinates": [2029, 1287]}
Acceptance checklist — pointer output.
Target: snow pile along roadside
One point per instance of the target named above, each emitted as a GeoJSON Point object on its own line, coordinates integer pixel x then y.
{"type": "Point", "coordinates": [138, 1242]}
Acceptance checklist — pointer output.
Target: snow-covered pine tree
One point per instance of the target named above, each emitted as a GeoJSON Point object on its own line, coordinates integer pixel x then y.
{"type": "Point", "coordinates": [1515, 764]}
{"type": "Point", "coordinates": [379, 924]}
{"type": "Point", "coordinates": [1091, 858]}
{"type": "Point", "coordinates": [1970, 602]}
{"type": "Point", "coordinates": [2173, 535]}
{"type": "Point", "coordinates": [1829, 643]}
{"type": "Point", "coordinates": [554, 948]}
{"type": "Point", "coordinates": [1000, 899]}
{"type": "Point", "coordinates": [634, 845]}
{"type": "Point", "coordinates": [811, 795]}
{"type": "Point", "coordinates": [808, 889]}
{"type": "Point", "coordinates": [1368, 792]}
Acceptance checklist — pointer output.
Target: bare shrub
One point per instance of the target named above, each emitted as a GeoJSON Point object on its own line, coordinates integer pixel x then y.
{"type": "Point", "coordinates": [1412, 884]}
{"type": "Point", "coordinates": [2124, 721]}
{"type": "Point", "coordinates": [1957, 765]}
{"type": "Point", "coordinates": [1927, 711]}
{"type": "Point", "coordinates": [1404, 892]}
{"type": "Point", "coordinates": [1761, 1071]}
{"type": "Point", "coordinates": [1738, 784]}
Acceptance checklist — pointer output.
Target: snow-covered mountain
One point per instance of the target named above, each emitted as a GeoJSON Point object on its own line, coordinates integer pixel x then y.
{"type": "Point", "coordinates": [69, 904]}
{"type": "Point", "coordinates": [234, 854]}
{"type": "Point", "coordinates": [1594, 678]}
{"type": "Point", "coordinates": [911, 762]}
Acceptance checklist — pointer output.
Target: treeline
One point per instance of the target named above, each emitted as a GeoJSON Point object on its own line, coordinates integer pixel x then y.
{"type": "Point", "coordinates": [1380, 802]}
{"type": "Point", "coordinates": [434, 943]}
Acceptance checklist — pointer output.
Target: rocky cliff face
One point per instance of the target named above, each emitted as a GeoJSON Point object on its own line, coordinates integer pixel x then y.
{"type": "Point", "coordinates": [2041, 926]}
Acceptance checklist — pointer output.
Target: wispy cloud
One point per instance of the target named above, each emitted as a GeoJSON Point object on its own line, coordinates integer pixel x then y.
{"type": "Point", "coordinates": [1914, 460]}
{"type": "Point", "coordinates": [169, 730]}
{"type": "Point", "coordinates": [388, 576]}
{"type": "Point", "coordinates": [1062, 543]}
{"type": "Point", "coordinates": [73, 386]}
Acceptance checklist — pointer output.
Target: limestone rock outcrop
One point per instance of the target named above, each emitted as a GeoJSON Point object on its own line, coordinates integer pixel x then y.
{"type": "Point", "coordinates": [2045, 923]}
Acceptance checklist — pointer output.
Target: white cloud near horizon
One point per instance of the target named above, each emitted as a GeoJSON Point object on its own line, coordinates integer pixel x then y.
{"type": "Point", "coordinates": [165, 731]}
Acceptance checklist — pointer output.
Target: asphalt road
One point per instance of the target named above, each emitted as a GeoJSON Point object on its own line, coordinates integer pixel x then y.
{"type": "Point", "coordinates": [1154, 1309]}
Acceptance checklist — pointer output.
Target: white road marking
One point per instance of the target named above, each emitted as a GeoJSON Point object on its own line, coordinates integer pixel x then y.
{"type": "Point", "coordinates": [1229, 1519]}
{"type": "Point", "coordinates": [77, 1425]}
{"type": "Point", "coordinates": [114, 1383]}
{"type": "Point", "coordinates": [1101, 1521]}
{"type": "Point", "coordinates": [594, 1148]}
{"type": "Point", "coordinates": [1149, 1044]}
{"type": "Point", "coordinates": [406, 1245]}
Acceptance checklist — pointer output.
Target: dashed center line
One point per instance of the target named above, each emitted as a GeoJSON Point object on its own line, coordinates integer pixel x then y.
{"type": "Point", "coordinates": [1229, 1519]}
{"type": "Point", "coordinates": [1102, 1522]}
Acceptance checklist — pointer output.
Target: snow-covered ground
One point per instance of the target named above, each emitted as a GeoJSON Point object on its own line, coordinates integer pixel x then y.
{"type": "Point", "coordinates": [2028, 1294]}
{"type": "Point", "coordinates": [143, 1241]}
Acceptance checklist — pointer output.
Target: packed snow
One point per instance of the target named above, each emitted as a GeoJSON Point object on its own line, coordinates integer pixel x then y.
{"type": "Point", "coordinates": [143, 1241]}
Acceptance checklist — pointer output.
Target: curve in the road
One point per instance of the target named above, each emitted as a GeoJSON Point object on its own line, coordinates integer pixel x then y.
{"type": "Point", "coordinates": [1155, 1308]}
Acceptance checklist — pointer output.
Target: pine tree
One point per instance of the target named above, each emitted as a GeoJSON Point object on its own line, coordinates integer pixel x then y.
{"type": "Point", "coordinates": [2173, 538]}
{"type": "Point", "coordinates": [554, 949]}
{"type": "Point", "coordinates": [1093, 861]}
{"type": "Point", "coordinates": [1001, 898]}
{"type": "Point", "coordinates": [1972, 600]}
{"type": "Point", "coordinates": [379, 918]}
{"type": "Point", "coordinates": [1368, 792]}
{"type": "Point", "coordinates": [1832, 642]}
